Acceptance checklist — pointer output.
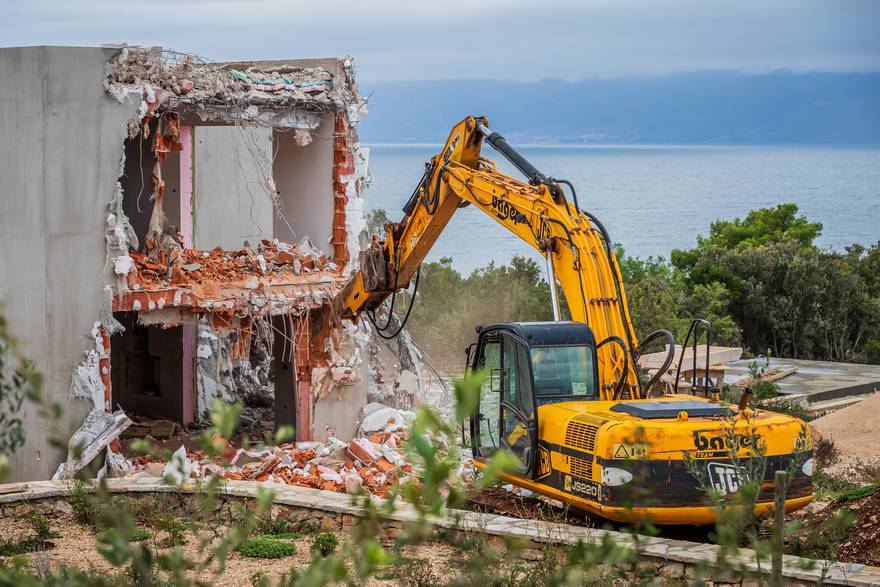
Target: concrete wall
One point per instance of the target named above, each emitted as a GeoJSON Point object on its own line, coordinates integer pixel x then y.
{"type": "Point", "coordinates": [341, 408]}
{"type": "Point", "coordinates": [59, 163]}
{"type": "Point", "coordinates": [231, 206]}
{"type": "Point", "coordinates": [304, 179]}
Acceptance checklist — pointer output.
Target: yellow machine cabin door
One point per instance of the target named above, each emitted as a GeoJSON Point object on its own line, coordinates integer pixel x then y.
{"type": "Point", "coordinates": [507, 413]}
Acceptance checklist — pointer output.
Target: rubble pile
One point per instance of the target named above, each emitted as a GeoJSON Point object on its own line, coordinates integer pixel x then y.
{"type": "Point", "coordinates": [374, 461]}
{"type": "Point", "coordinates": [182, 267]}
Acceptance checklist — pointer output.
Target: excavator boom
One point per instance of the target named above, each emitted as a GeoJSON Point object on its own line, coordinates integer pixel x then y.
{"type": "Point", "coordinates": [575, 245]}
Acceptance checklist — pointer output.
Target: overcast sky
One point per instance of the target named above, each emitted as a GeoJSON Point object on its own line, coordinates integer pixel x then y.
{"type": "Point", "coordinates": [497, 39]}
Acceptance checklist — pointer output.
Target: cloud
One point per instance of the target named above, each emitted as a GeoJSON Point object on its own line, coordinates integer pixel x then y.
{"type": "Point", "coordinates": [496, 39]}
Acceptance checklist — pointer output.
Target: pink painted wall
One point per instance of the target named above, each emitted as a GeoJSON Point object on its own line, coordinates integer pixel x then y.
{"type": "Point", "coordinates": [186, 185]}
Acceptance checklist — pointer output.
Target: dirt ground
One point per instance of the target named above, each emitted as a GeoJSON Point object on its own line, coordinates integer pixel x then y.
{"type": "Point", "coordinates": [76, 546]}
{"type": "Point", "coordinates": [497, 500]}
{"type": "Point", "coordinates": [855, 431]}
{"type": "Point", "coordinates": [854, 459]}
{"type": "Point", "coordinates": [858, 543]}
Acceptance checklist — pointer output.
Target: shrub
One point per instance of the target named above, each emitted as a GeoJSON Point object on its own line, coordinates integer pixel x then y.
{"type": "Point", "coordinates": [825, 451]}
{"type": "Point", "coordinates": [263, 547]}
{"type": "Point", "coordinates": [857, 493]}
{"type": "Point", "coordinates": [829, 484]}
{"type": "Point", "coordinates": [175, 529]}
{"type": "Point", "coordinates": [788, 407]}
{"type": "Point", "coordinates": [83, 505]}
{"type": "Point", "coordinates": [869, 472]}
{"type": "Point", "coordinates": [266, 526]}
{"type": "Point", "coordinates": [40, 526]}
{"type": "Point", "coordinates": [305, 527]}
{"type": "Point", "coordinates": [38, 541]}
{"type": "Point", "coordinates": [325, 543]}
{"type": "Point", "coordinates": [137, 535]}
{"type": "Point", "coordinates": [417, 572]}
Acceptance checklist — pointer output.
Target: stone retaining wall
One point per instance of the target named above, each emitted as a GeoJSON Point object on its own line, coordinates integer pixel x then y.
{"type": "Point", "coordinates": [664, 557]}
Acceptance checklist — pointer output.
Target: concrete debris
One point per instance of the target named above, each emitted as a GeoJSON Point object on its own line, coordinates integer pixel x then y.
{"type": "Point", "coordinates": [355, 183]}
{"type": "Point", "coordinates": [179, 468]}
{"type": "Point", "coordinates": [99, 429]}
{"type": "Point", "coordinates": [119, 234]}
{"type": "Point", "coordinates": [115, 464]}
{"type": "Point", "coordinates": [281, 95]}
{"type": "Point", "coordinates": [343, 350]}
{"type": "Point", "coordinates": [379, 418]}
{"type": "Point", "coordinates": [402, 375]}
{"type": "Point", "coordinates": [86, 381]}
{"type": "Point", "coordinates": [375, 464]}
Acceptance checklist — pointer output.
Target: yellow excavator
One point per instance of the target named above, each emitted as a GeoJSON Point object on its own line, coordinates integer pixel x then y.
{"type": "Point", "coordinates": [566, 397]}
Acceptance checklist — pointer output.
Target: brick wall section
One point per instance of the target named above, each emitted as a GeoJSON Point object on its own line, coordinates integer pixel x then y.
{"type": "Point", "coordinates": [344, 141]}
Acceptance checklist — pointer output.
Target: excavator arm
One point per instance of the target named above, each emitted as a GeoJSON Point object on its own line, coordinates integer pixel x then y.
{"type": "Point", "coordinates": [574, 243]}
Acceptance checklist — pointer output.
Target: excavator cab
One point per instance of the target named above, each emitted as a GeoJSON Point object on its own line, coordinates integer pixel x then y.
{"type": "Point", "coordinates": [528, 365]}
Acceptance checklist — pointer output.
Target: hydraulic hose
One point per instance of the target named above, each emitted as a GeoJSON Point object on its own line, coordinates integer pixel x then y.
{"type": "Point", "coordinates": [617, 279]}
{"type": "Point", "coordinates": [412, 302]}
{"type": "Point", "coordinates": [670, 355]}
{"type": "Point", "coordinates": [618, 389]}
{"type": "Point", "coordinates": [574, 195]}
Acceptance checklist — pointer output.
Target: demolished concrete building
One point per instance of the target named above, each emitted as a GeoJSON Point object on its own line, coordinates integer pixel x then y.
{"type": "Point", "coordinates": [174, 231]}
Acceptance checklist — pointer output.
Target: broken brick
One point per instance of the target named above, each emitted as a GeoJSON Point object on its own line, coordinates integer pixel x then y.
{"type": "Point", "coordinates": [384, 465]}
{"type": "Point", "coordinates": [284, 257]}
{"type": "Point", "coordinates": [363, 450]}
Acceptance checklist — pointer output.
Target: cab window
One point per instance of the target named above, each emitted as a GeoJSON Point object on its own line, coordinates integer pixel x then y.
{"type": "Point", "coordinates": [489, 408]}
{"type": "Point", "coordinates": [563, 371]}
{"type": "Point", "coordinates": [516, 383]}
{"type": "Point", "coordinates": [517, 408]}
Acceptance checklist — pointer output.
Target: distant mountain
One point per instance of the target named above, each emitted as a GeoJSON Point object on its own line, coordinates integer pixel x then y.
{"type": "Point", "coordinates": [717, 107]}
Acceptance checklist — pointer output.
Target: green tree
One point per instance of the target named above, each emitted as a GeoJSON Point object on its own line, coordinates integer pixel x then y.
{"type": "Point", "coordinates": [376, 221]}
{"type": "Point", "coordinates": [660, 296]}
{"type": "Point", "coordinates": [760, 227]}
{"type": "Point", "coordinates": [800, 302]}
